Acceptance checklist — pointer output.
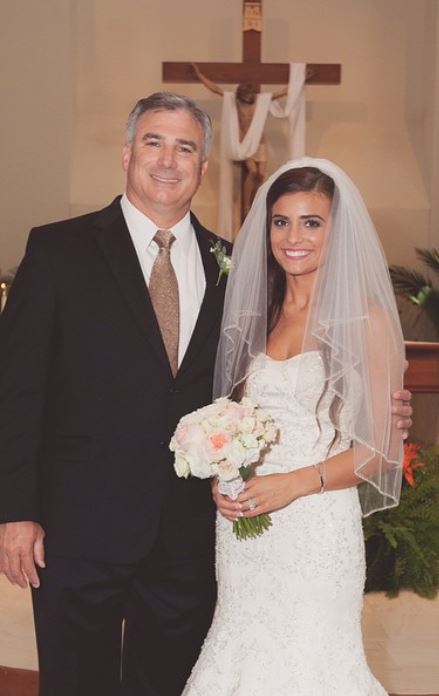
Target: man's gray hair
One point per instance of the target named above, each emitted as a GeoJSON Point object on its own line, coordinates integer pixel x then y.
{"type": "Point", "coordinates": [168, 101]}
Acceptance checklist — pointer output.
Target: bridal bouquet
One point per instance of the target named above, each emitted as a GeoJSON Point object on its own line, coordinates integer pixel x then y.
{"type": "Point", "coordinates": [224, 439]}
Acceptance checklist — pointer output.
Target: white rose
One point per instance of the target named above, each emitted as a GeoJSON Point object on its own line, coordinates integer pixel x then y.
{"type": "Point", "coordinates": [264, 416]}
{"type": "Point", "coordinates": [225, 470]}
{"type": "Point", "coordinates": [237, 454]}
{"type": "Point", "coordinates": [218, 455]}
{"type": "Point", "coordinates": [181, 466]}
{"type": "Point", "coordinates": [198, 466]}
{"type": "Point", "coordinates": [221, 401]}
{"type": "Point", "coordinates": [249, 441]}
{"type": "Point", "coordinates": [247, 424]}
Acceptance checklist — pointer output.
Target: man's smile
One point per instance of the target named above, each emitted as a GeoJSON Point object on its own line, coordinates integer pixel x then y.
{"type": "Point", "coordinates": [165, 179]}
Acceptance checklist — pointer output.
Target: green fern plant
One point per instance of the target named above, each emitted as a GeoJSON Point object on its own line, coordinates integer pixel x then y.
{"type": "Point", "coordinates": [402, 543]}
{"type": "Point", "coordinates": [418, 288]}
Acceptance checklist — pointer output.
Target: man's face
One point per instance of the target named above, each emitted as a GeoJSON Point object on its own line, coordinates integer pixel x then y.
{"type": "Point", "coordinates": [164, 164]}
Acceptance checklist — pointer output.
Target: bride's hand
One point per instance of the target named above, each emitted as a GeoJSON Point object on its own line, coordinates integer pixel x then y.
{"type": "Point", "coordinates": [267, 493]}
{"type": "Point", "coordinates": [230, 509]}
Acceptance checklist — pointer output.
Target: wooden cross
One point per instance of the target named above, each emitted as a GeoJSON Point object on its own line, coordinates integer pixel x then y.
{"type": "Point", "coordinates": [251, 69]}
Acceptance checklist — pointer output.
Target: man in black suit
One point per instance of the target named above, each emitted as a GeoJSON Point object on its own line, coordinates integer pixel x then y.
{"type": "Point", "coordinates": [91, 511]}
{"type": "Point", "coordinates": [89, 403]}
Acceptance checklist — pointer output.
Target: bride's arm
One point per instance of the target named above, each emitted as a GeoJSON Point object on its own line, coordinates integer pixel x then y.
{"type": "Point", "coordinates": [275, 491]}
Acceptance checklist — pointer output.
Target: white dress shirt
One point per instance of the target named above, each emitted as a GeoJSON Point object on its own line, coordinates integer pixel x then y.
{"type": "Point", "coordinates": [186, 262]}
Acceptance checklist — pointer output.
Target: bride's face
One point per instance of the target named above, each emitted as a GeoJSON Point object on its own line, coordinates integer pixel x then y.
{"type": "Point", "coordinates": [299, 227]}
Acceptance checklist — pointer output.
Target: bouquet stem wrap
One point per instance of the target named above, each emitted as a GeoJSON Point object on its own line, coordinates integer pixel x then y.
{"type": "Point", "coordinates": [244, 527]}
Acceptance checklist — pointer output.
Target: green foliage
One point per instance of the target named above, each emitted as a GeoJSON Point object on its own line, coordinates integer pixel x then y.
{"type": "Point", "coordinates": [418, 288]}
{"type": "Point", "coordinates": [402, 543]}
{"type": "Point", "coordinates": [430, 257]}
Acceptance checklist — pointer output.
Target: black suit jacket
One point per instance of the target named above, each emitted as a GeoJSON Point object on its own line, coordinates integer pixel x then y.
{"type": "Point", "coordinates": [87, 399]}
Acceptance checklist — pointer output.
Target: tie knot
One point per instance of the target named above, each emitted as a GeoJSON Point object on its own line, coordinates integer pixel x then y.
{"type": "Point", "coordinates": [164, 239]}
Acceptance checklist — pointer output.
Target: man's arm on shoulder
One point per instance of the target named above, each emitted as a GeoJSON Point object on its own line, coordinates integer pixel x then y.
{"type": "Point", "coordinates": [402, 409]}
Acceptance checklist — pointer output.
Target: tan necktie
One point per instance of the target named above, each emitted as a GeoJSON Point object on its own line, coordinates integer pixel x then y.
{"type": "Point", "coordinates": [163, 290]}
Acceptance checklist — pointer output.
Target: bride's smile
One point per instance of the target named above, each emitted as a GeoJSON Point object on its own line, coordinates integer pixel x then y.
{"type": "Point", "coordinates": [298, 231]}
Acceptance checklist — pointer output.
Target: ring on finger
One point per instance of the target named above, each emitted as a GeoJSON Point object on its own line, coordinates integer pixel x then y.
{"type": "Point", "coordinates": [251, 504]}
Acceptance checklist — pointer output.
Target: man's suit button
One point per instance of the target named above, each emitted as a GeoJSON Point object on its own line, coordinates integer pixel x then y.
{"type": "Point", "coordinates": [173, 390]}
{"type": "Point", "coordinates": [162, 443]}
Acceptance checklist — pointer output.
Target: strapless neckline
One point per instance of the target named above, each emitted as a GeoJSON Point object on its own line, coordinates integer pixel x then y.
{"type": "Point", "coordinates": [291, 358]}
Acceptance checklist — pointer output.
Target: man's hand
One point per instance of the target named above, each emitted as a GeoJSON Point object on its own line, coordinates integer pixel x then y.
{"type": "Point", "coordinates": [402, 409]}
{"type": "Point", "coordinates": [21, 548]}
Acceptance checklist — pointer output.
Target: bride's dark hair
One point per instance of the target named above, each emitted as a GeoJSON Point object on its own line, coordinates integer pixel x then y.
{"type": "Point", "coordinates": [300, 180]}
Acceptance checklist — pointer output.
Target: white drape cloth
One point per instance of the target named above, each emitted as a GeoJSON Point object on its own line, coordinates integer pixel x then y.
{"type": "Point", "coordinates": [232, 149]}
{"type": "Point", "coordinates": [294, 110]}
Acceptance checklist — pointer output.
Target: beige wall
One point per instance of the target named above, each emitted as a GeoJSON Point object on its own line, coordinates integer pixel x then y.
{"type": "Point", "coordinates": [36, 87]}
{"type": "Point", "coordinates": [85, 62]}
{"type": "Point", "coordinates": [422, 100]}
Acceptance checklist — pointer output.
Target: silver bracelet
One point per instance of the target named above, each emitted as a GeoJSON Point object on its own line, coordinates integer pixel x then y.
{"type": "Point", "coordinates": [321, 472]}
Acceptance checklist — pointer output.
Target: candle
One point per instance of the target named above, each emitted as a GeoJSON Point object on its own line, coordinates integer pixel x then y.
{"type": "Point", "coordinates": [3, 295]}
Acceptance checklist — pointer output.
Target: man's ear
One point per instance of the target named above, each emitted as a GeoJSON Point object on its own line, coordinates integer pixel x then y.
{"type": "Point", "coordinates": [204, 167]}
{"type": "Point", "coordinates": [126, 156]}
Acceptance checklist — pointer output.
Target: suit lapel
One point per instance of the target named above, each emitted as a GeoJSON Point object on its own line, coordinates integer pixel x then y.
{"type": "Point", "coordinates": [114, 240]}
{"type": "Point", "coordinates": [211, 307]}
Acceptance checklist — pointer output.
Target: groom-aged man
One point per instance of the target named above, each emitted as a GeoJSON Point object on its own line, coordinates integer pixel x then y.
{"type": "Point", "coordinates": [108, 338]}
{"type": "Point", "coordinates": [95, 371]}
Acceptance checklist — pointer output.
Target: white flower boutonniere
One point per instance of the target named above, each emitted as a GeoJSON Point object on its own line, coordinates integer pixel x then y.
{"type": "Point", "coordinates": [224, 262]}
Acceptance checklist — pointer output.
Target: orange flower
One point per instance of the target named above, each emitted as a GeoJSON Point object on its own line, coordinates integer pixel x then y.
{"type": "Point", "coordinates": [219, 439]}
{"type": "Point", "coordinates": [411, 452]}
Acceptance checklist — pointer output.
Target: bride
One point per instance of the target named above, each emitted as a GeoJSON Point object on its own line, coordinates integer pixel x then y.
{"type": "Point", "coordinates": [311, 333]}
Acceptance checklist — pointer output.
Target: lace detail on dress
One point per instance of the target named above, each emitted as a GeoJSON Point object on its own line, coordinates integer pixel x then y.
{"type": "Point", "coordinates": [288, 616]}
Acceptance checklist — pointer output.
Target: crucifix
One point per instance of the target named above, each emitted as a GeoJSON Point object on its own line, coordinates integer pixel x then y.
{"type": "Point", "coordinates": [251, 72]}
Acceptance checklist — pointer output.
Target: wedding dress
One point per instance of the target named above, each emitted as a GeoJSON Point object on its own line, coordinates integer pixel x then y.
{"type": "Point", "coordinates": [288, 616]}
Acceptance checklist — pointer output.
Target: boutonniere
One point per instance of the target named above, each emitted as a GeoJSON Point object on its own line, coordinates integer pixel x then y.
{"type": "Point", "coordinates": [224, 262]}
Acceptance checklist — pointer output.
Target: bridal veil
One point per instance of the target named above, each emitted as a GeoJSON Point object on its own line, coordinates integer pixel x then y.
{"type": "Point", "coordinates": [352, 320]}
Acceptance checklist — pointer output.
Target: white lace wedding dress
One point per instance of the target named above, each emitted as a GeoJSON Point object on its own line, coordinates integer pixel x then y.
{"type": "Point", "coordinates": [287, 621]}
